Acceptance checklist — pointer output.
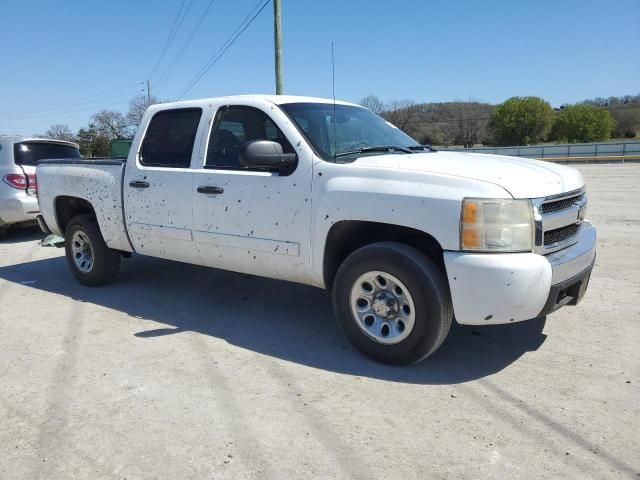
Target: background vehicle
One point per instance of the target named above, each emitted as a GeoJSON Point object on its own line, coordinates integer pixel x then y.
{"type": "Point", "coordinates": [18, 159]}
{"type": "Point", "coordinates": [331, 195]}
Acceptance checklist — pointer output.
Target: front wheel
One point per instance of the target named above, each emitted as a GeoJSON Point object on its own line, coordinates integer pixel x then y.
{"type": "Point", "coordinates": [89, 258]}
{"type": "Point", "coordinates": [392, 302]}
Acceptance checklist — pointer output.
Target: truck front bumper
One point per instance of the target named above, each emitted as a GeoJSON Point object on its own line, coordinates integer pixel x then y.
{"type": "Point", "coordinates": [489, 289]}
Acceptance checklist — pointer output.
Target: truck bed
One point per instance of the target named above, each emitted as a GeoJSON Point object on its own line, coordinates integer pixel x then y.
{"type": "Point", "coordinates": [96, 180]}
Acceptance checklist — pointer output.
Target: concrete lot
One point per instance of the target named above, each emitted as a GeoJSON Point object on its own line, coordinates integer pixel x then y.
{"type": "Point", "coordinates": [181, 372]}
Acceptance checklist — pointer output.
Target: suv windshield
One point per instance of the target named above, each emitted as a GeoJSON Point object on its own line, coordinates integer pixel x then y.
{"type": "Point", "coordinates": [30, 153]}
{"type": "Point", "coordinates": [355, 132]}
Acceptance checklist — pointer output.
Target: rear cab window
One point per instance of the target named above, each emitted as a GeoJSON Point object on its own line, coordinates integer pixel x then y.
{"type": "Point", "coordinates": [30, 153]}
{"type": "Point", "coordinates": [170, 137]}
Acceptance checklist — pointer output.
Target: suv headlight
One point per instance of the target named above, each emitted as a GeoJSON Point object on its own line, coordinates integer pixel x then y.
{"type": "Point", "coordinates": [496, 225]}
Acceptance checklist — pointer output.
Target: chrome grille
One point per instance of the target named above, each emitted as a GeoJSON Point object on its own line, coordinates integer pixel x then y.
{"type": "Point", "coordinates": [560, 234]}
{"type": "Point", "coordinates": [558, 219]}
{"type": "Point", "coordinates": [561, 204]}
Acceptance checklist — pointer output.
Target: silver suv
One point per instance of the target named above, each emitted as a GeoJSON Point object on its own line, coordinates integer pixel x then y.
{"type": "Point", "coordinates": [18, 159]}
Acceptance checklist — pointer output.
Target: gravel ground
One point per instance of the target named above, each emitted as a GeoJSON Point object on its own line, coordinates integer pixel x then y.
{"type": "Point", "coordinates": [181, 372]}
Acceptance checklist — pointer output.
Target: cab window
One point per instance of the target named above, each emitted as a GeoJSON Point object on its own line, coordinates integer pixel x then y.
{"type": "Point", "coordinates": [235, 125]}
{"type": "Point", "coordinates": [169, 139]}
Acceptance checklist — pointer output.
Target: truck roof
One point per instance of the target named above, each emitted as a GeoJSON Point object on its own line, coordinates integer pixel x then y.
{"type": "Point", "coordinates": [281, 99]}
{"type": "Point", "coordinates": [277, 99]}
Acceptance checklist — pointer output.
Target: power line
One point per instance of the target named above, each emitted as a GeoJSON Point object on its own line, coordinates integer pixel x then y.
{"type": "Point", "coordinates": [71, 101]}
{"type": "Point", "coordinates": [61, 112]}
{"type": "Point", "coordinates": [248, 19]}
{"type": "Point", "coordinates": [180, 53]}
{"type": "Point", "coordinates": [42, 118]}
{"type": "Point", "coordinates": [170, 37]}
{"type": "Point", "coordinates": [225, 46]}
{"type": "Point", "coordinates": [57, 108]}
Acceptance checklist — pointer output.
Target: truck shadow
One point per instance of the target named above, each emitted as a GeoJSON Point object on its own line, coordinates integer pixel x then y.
{"type": "Point", "coordinates": [22, 234]}
{"type": "Point", "coordinates": [287, 321]}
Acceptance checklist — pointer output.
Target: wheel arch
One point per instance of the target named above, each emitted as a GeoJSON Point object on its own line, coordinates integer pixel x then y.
{"type": "Point", "coordinates": [347, 236]}
{"type": "Point", "coordinates": [67, 207]}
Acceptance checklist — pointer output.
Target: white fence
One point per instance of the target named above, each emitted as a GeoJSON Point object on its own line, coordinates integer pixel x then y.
{"type": "Point", "coordinates": [608, 151]}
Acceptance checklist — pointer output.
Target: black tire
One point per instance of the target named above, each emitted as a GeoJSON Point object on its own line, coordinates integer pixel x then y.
{"type": "Point", "coordinates": [106, 261]}
{"type": "Point", "coordinates": [427, 286]}
{"type": "Point", "coordinates": [3, 232]}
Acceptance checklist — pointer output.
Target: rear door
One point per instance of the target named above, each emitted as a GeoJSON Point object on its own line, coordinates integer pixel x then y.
{"type": "Point", "coordinates": [158, 199]}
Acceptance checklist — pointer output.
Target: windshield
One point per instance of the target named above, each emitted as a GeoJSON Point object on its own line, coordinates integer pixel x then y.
{"type": "Point", "coordinates": [30, 153]}
{"type": "Point", "coordinates": [355, 129]}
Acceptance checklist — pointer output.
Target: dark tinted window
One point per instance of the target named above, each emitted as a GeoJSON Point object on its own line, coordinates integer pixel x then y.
{"type": "Point", "coordinates": [235, 125]}
{"type": "Point", "coordinates": [237, 128]}
{"type": "Point", "coordinates": [30, 153]}
{"type": "Point", "coordinates": [170, 137]}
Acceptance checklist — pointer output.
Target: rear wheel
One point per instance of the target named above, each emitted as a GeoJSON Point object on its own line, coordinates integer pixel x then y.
{"type": "Point", "coordinates": [89, 258]}
{"type": "Point", "coordinates": [393, 303]}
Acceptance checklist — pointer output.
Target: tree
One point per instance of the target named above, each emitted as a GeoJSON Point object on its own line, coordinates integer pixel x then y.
{"type": "Point", "coordinates": [434, 137]}
{"type": "Point", "coordinates": [60, 132]}
{"type": "Point", "coordinates": [521, 121]}
{"type": "Point", "coordinates": [137, 107]}
{"type": "Point", "coordinates": [598, 101]}
{"type": "Point", "coordinates": [400, 113]}
{"type": "Point", "coordinates": [111, 124]}
{"type": "Point", "coordinates": [583, 123]}
{"type": "Point", "coordinates": [466, 130]}
{"type": "Point", "coordinates": [627, 119]}
{"type": "Point", "coordinates": [92, 143]}
{"type": "Point", "coordinates": [449, 123]}
{"type": "Point", "coordinates": [607, 102]}
{"type": "Point", "coordinates": [373, 103]}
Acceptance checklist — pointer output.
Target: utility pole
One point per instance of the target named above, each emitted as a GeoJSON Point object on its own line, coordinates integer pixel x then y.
{"type": "Point", "coordinates": [148, 93]}
{"type": "Point", "coordinates": [277, 35]}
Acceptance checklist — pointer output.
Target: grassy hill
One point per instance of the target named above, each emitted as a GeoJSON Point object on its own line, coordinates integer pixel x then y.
{"type": "Point", "coordinates": [467, 122]}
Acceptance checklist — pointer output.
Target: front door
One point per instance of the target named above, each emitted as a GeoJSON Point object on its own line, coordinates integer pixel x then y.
{"type": "Point", "coordinates": [157, 189]}
{"type": "Point", "coordinates": [253, 221]}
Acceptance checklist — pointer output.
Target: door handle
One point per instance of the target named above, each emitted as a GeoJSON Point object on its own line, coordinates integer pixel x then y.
{"type": "Point", "coordinates": [211, 190]}
{"type": "Point", "coordinates": [139, 184]}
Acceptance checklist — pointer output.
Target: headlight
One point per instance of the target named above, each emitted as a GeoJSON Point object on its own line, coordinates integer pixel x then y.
{"type": "Point", "coordinates": [496, 225]}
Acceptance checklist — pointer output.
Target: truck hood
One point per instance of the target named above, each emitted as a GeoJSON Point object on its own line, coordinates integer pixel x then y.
{"type": "Point", "coordinates": [521, 177]}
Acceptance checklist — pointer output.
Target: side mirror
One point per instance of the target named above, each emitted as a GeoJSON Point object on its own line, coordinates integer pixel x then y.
{"type": "Point", "coordinates": [265, 154]}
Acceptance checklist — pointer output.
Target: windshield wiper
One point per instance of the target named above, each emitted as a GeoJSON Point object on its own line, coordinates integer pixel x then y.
{"type": "Point", "coordinates": [382, 148]}
{"type": "Point", "coordinates": [422, 147]}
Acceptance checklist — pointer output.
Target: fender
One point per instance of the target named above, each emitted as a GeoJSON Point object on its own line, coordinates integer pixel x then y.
{"type": "Point", "coordinates": [426, 202]}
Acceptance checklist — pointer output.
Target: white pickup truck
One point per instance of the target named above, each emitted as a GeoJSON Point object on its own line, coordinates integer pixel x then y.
{"type": "Point", "coordinates": [329, 194]}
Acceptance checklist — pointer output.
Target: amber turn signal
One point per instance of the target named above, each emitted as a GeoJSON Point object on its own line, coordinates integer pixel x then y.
{"type": "Point", "coordinates": [470, 238]}
{"type": "Point", "coordinates": [470, 212]}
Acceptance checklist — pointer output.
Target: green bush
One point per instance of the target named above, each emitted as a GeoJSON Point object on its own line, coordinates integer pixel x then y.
{"type": "Point", "coordinates": [582, 123]}
{"type": "Point", "coordinates": [521, 121]}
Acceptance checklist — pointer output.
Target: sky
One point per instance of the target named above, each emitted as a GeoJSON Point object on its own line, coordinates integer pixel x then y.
{"type": "Point", "coordinates": [64, 60]}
